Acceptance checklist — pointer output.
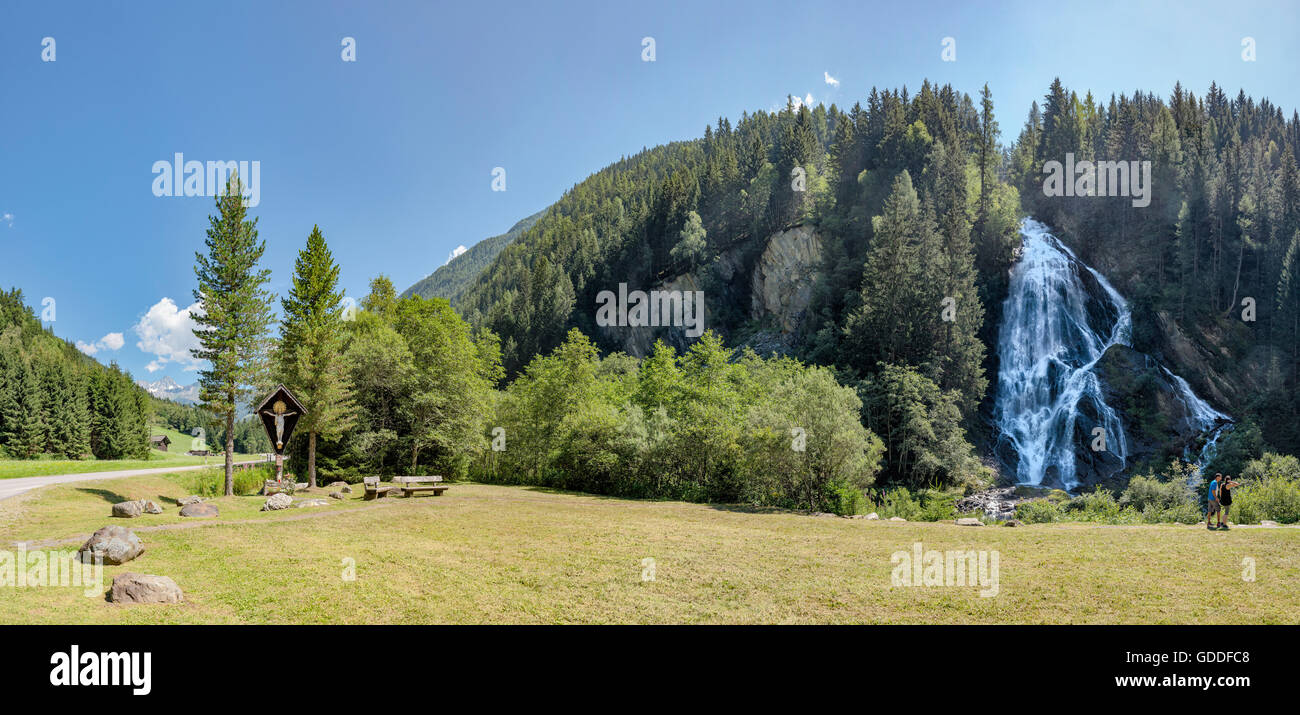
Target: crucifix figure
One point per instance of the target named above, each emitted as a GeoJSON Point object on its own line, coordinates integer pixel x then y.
{"type": "Point", "coordinates": [278, 412]}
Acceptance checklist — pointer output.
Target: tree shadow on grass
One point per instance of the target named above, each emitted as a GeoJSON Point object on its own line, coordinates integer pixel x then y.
{"type": "Point", "coordinates": [108, 496]}
{"type": "Point", "coordinates": [752, 509]}
{"type": "Point", "coordinates": [572, 493]}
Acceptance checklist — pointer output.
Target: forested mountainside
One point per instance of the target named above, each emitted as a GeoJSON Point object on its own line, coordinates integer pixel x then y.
{"type": "Point", "coordinates": [841, 235]}
{"type": "Point", "coordinates": [56, 400]}
{"type": "Point", "coordinates": [450, 280]}
{"type": "Point", "coordinates": [1212, 265]}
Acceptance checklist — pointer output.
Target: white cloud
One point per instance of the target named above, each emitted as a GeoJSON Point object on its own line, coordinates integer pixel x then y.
{"type": "Point", "coordinates": [167, 333]}
{"type": "Point", "coordinates": [456, 252]}
{"type": "Point", "coordinates": [110, 342]}
{"type": "Point", "coordinates": [831, 80]}
{"type": "Point", "coordinates": [797, 102]}
{"type": "Point", "coordinates": [8, 218]}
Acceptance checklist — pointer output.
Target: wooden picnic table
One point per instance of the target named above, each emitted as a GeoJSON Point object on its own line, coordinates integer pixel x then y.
{"type": "Point", "coordinates": [411, 485]}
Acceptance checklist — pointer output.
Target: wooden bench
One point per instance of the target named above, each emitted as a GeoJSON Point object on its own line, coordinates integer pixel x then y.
{"type": "Point", "coordinates": [411, 485]}
{"type": "Point", "coordinates": [373, 490]}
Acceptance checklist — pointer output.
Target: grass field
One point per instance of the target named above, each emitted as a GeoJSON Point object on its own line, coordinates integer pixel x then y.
{"type": "Point", "coordinates": [13, 468]}
{"type": "Point", "coordinates": [492, 554]}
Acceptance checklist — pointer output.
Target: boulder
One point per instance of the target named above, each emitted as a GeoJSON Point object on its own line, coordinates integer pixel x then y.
{"type": "Point", "coordinates": [190, 500]}
{"type": "Point", "coordinates": [113, 544]}
{"type": "Point", "coordinates": [144, 588]}
{"type": "Point", "coordinates": [873, 516]}
{"type": "Point", "coordinates": [300, 485]}
{"type": "Point", "coordinates": [336, 485]}
{"type": "Point", "coordinates": [1266, 522]}
{"type": "Point", "coordinates": [336, 495]}
{"type": "Point", "coordinates": [202, 510]}
{"type": "Point", "coordinates": [346, 489]}
{"type": "Point", "coordinates": [271, 486]}
{"type": "Point", "coordinates": [150, 507]}
{"type": "Point", "coordinates": [277, 502]}
{"type": "Point", "coordinates": [302, 503]}
{"type": "Point", "coordinates": [969, 521]}
{"type": "Point", "coordinates": [897, 518]}
{"type": "Point", "coordinates": [129, 509]}
{"type": "Point", "coordinates": [1013, 522]}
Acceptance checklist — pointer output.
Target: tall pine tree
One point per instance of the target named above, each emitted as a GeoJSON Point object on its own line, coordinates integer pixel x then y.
{"type": "Point", "coordinates": [235, 315]}
{"type": "Point", "coordinates": [310, 357]}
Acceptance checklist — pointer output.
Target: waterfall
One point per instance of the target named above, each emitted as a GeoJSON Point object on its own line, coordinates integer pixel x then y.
{"type": "Point", "coordinates": [1059, 318]}
{"type": "Point", "coordinates": [1206, 419]}
{"type": "Point", "coordinates": [1054, 331]}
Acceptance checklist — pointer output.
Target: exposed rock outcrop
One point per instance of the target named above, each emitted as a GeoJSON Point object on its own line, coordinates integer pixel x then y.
{"type": "Point", "coordinates": [783, 279]}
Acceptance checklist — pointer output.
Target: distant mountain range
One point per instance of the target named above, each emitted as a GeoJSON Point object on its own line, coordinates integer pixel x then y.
{"type": "Point", "coordinates": [169, 389]}
{"type": "Point", "coordinates": [451, 279]}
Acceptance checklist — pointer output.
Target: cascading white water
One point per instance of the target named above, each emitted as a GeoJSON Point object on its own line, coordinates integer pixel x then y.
{"type": "Point", "coordinates": [1205, 419]}
{"type": "Point", "coordinates": [1053, 332]}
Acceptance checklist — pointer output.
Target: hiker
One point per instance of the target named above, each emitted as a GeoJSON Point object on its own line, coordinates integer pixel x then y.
{"type": "Point", "coordinates": [1212, 502]}
{"type": "Point", "coordinates": [1225, 500]}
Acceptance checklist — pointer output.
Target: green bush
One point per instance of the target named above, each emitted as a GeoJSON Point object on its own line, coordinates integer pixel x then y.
{"type": "Point", "coordinates": [922, 505]}
{"type": "Point", "coordinates": [247, 481]}
{"type": "Point", "coordinates": [846, 499]}
{"type": "Point", "coordinates": [1039, 511]}
{"type": "Point", "coordinates": [1102, 507]}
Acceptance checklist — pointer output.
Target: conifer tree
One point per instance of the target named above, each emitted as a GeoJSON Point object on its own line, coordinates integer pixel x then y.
{"type": "Point", "coordinates": [235, 315]}
{"type": "Point", "coordinates": [310, 356]}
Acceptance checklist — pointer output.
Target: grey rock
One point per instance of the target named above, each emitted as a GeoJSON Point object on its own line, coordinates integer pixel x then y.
{"type": "Point", "coordinates": [300, 485]}
{"type": "Point", "coordinates": [150, 507]}
{"type": "Point", "coordinates": [969, 521]}
{"type": "Point", "coordinates": [190, 500]}
{"type": "Point", "coordinates": [873, 516]}
{"type": "Point", "coordinates": [783, 280]}
{"type": "Point", "coordinates": [144, 588]}
{"type": "Point", "coordinates": [336, 495]}
{"type": "Point", "coordinates": [346, 489]}
{"type": "Point", "coordinates": [302, 503]}
{"type": "Point", "coordinates": [113, 544]}
{"type": "Point", "coordinates": [277, 502]}
{"type": "Point", "coordinates": [897, 518]}
{"type": "Point", "coordinates": [200, 511]}
{"type": "Point", "coordinates": [1266, 522]}
{"type": "Point", "coordinates": [128, 509]}
{"type": "Point", "coordinates": [1013, 522]}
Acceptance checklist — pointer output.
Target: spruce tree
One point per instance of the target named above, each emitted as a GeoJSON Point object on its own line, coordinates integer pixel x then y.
{"type": "Point", "coordinates": [25, 430]}
{"type": "Point", "coordinates": [235, 315]}
{"type": "Point", "coordinates": [310, 356]}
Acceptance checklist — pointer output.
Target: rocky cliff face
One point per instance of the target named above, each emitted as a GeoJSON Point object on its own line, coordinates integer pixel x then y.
{"type": "Point", "coordinates": [784, 277]}
{"type": "Point", "coordinates": [776, 294]}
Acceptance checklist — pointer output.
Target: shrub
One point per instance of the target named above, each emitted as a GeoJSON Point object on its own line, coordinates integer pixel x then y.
{"type": "Point", "coordinates": [1151, 494]}
{"type": "Point", "coordinates": [923, 505]}
{"type": "Point", "coordinates": [1039, 511]}
{"type": "Point", "coordinates": [247, 481]}
{"type": "Point", "coordinates": [1100, 506]}
{"type": "Point", "coordinates": [1270, 490]}
{"type": "Point", "coordinates": [846, 499]}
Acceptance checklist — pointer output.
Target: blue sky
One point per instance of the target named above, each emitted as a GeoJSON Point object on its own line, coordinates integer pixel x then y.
{"type": "Point", "coordinates": [392, 154]}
